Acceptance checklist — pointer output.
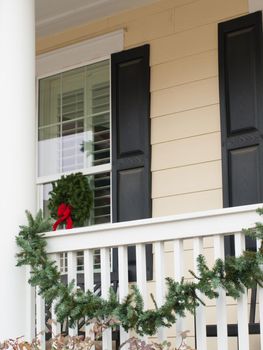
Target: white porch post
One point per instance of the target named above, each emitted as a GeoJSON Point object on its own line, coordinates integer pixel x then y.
{"type": "Point", "coordinates": [17, 155]}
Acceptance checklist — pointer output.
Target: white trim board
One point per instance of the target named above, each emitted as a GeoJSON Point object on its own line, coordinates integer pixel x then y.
{"type": "Point", "coordinates": [183, 226]}
{"type": "Point", "coordinates": [79, 54]}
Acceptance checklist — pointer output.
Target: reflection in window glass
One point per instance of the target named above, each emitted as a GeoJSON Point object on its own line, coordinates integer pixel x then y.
{"type": "Point", "coordinates": [74, 120]}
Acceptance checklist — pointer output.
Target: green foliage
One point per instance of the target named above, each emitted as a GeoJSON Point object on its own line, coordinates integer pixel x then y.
{"type": "Point", "coordinates": [234, 275]}
{"type": "Point", "coordinates": [257, 231]}
{"type": "Point", "coordinates": [74, 190]}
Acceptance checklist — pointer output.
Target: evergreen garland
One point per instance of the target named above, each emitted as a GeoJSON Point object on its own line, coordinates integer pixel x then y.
{"type": "Point", "coordinates": [73, 190]}
{"type": "Point", "coordinates": [234, 275]}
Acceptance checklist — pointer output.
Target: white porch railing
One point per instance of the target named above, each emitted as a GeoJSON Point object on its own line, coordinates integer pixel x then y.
{"type": "Point", "coordinates": [177, 241]}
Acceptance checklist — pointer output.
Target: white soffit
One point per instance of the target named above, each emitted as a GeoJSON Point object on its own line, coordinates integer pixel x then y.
{"type": "Point", "coordinates": [57, 15]}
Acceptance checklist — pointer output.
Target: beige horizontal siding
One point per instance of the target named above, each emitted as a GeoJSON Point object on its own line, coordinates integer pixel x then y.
{"type": "Point", "coordinates": [184, 44]}
{"type": "Point", "coordinates": [194, 178]}
{"type": "Point", "coordinates": [207, 11]}
{"type": "Point", "coordinates": [184, 97]}
{"type": "Point", "coordinates": [184, 70]}
{"type": "Point", "coordinates": [151, 27]}
{"type": "Point", "coordinates": [187, 203]}
{"type": "Point", "coordinates": [187, 151]}
{"type": "Point", "coordinates": [185, 124]}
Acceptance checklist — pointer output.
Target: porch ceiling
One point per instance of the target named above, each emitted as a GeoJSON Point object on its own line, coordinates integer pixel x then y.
{"type": "Point", "coordinates": [57, 15]}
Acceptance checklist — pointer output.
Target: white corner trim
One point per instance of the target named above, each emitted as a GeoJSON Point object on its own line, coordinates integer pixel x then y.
{"type": "Point", "coordinates": [255, 5]}
{"type": "Point", "coordinates": [79, 54]}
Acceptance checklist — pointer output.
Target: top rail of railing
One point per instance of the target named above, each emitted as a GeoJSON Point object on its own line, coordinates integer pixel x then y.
{"type": "Point", "coordinates": [198, 224]}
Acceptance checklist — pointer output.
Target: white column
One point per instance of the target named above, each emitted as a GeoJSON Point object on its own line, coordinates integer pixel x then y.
{"type": "Point", "coordinates": [17, 155]}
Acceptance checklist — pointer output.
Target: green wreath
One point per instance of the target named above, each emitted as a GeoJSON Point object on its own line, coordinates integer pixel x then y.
{"type": "Point", "coordinates": [73, 190]}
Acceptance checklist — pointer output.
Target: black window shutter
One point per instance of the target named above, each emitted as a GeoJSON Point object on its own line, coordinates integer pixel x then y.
{"type": "Point", "coordinates": [131, 178]}
{"type": "Point", "coordinates": [241, 98]}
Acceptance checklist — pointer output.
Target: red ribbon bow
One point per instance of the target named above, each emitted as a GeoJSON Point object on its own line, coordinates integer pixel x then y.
{"type": "Point", "coordinates": [64, 212]}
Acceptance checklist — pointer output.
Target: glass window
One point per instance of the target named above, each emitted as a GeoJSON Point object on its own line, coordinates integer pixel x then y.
{"type": "Point", "coordinates": [74, 133]}
{"type": "Point", "coordinates": [74, 120]}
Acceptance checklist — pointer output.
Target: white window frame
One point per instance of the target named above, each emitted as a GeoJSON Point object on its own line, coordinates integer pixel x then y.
{"type": "Point", "coordinates": [65, 59]}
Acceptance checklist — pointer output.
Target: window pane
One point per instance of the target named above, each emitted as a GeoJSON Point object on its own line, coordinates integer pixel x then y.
{"type": "Point", "coordinates": [74, 119]}
{"type": "Point", "coordinates": [49, 149]}
{"type": "Point", "coordinates": [73, 85]}
{"type": "Point", "coordinates": [46, 189]}
{"type": "Point", "coordinates": [72, 145]}
{"type": "Point", "coordinates": [49, 100]}
{"type": "Point", "coordinates": [101, 185]}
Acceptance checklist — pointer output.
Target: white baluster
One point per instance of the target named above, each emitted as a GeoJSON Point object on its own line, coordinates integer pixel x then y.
{"type": "Point", "coordinates": [200, 310]}
{"type": "Point", "coordinates": [89, 281]}
{"type": "Point", "coordinates": [242, 303]}
{"type": "Point", "coordinates": [123, 284]}
{"type": "Point", "coordinates": [141, 276]}
{"type": "Point", "coordinates": [72, 275]}
{"type": "Point", "coordinates": [141, 272]}
{"type": "Point", "coordinates": [221, 311]}
{"type": "Point", "coordinates": [160, 282]}
{"type": "Point", "coordinates": [178, 274]}
{"type": "Point", "coordinates": [105, 286]}
{"type": "Point", "coordinates": [40, 320]}
{"type": "Point", "coordinates": [56, 327]}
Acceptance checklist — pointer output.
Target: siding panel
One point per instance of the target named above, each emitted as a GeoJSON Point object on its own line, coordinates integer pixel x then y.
{"type": "Point", "coordinates": [151, 27]}
{"type": "Point", "coordinates": [184, 70]}
{"type": "Point", "coordinates": [199, 177]}
{"type": "Point", "coordinates": [189, 202]}
{"type": "Point", "coordinates": [183, 44]}
{"type": "Point", "coordinates": [184, 97]}
{"type": "Point", "coordinates": [207, 11]}
{"type": "Point", "coordinates": [187, 151]}
{"type": "Point", "coordinates": [185, 124]}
